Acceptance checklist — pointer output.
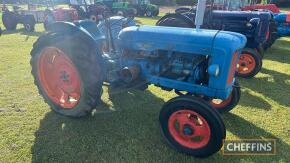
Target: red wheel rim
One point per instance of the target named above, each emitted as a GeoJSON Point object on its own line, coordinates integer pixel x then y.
{"type": "Point", "coordinates": [189, 129]}
{"type": "Point", "coordinates": [59, 78]}
{"type": "Point", "coordinates": [246, 63]}
{"type": "Point", "coordinates": [219, 104]}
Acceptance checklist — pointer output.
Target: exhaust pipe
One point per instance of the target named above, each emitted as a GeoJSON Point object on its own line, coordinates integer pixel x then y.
{"type": "Point", "coordinates": [200, 10]}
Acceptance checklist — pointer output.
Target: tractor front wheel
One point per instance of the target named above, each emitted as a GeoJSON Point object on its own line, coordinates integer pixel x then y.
{"type": "Point", "coordinates": [191, 126]}
{"type": "Point", "coordinates": [68, 73]}
{"type": "Point", "coordinates": [249, 64]}
{"type": "Point", "coordinates": [29, 23]}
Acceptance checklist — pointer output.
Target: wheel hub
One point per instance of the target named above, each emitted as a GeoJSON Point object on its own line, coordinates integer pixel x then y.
{"type": "Point", "coordinates": [187, 130]}
{"type": "Point", "coordinates": [246, 64]}
{"type": "Point", "coordinates": [64, 76]}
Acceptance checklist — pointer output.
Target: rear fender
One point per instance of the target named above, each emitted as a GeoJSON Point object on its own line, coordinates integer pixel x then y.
{"type": "Point", "coordinates": [178, 16]}
{"type": "Point", "coordinates": [87, 30]}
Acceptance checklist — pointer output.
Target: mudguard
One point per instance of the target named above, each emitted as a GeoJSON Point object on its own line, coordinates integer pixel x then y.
{"type": "Point", "coordinates": [85, 29]}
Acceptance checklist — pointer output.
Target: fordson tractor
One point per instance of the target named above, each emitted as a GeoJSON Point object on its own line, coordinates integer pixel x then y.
{"type": "Point", "coordinates": [279, 23]}
{"type": "Point", "coordinates": [72, 61]}
{"type": "Point", "coordinates": [254, 25]}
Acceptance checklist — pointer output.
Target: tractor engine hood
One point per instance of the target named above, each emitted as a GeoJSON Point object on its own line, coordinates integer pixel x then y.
{"type": "Point", "coordinates": [241, 15]}
{"type": "Point", "coordinates": [202, 42]}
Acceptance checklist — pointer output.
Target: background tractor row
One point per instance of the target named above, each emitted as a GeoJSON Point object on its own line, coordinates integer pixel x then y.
{"type": "Point", "coordinates": [254, 25]}
{"type": "Point", "coordinates": [32, 14]}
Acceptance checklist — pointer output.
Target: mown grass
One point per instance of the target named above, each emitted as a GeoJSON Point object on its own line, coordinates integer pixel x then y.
{"type": "Point", "coordinates": [125, 127]}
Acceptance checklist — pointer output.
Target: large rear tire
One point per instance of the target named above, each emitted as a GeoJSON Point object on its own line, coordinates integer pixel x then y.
{"type": "Point", "coordinates": [191, 126]}
{"type": "Point", "coordinates": [174, 22]}
{"type": "Point", "coordinates": [68, 73]}
{"type": "Point", "coordinates": [9, 20]}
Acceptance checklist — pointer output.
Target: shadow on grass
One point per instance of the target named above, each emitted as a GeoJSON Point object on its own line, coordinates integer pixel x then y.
{"type": "Point", "coordinates": [254, 102]}
{"type": "Point", "coordinates": [247, 130]}
{"type": "Point", "coordinates": [130, 133]}
{"type": "Point", "coordinates": [275, 87]}
{"type": "Point", "coordinates": [22, 32]}
{"type": "Point", "coordinates": [279, 52]}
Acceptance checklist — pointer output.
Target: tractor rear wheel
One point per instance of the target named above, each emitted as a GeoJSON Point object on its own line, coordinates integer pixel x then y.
{"type": "Point", "coordinates": [182, 10]}
{"type": "Point", "coordinates": [191, 126]}
{"type": "Point", "coordinates": [174, 22]}
{"type": "Point", "coordinates": [249, 64]}
{"type": "Point", "coordinates": [68, 73]}
{"type": "Point", "coordinates": [9, 20]}
{"type": "Point", "coordinates": [223, 106]}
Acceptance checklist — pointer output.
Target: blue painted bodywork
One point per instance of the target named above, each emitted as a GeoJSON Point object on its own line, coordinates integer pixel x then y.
{"type": "Point", "coordinates": [201, 62]}
{"type": "Point", "coordinates": [218, 46]}
{"type": "Point", "coordinates": [283, 24]}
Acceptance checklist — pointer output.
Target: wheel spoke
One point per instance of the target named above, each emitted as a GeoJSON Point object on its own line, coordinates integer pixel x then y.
{"type": "Point", "coordinates": [181, 119]}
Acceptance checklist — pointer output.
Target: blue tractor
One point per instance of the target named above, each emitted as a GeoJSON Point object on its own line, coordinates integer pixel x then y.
{"type": "Point", "coordinates": [283, 24]}
{"type": "Point", "coordinates": [72, 61]}
{"type": "Point", "coordinates": [254, 25]}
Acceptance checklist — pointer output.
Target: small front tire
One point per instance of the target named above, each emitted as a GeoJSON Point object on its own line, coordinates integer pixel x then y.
{"type": "Point", "coordinates": [191, 126]}
{"type": "Point", "coordinates": [249, 64]}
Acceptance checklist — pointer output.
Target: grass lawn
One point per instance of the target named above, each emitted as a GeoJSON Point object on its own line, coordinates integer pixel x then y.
{"type": "Point", "coordinates": [125, 127]}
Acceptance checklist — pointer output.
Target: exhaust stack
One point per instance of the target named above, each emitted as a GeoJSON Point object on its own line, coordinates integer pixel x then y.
{"type": "Point", "coordinates": [200, 10]}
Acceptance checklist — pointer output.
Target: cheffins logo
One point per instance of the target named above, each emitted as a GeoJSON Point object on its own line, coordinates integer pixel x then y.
{"type": "Point", "coordinates": [249, 147]}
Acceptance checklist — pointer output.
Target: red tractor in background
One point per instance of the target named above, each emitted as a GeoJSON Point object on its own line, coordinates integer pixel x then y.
{"type": "Point", "coordinates": [32, 15]}
{"type": "Point", "coordinates": [60, 14]}
{"type": "Point", "coordinates": [89, 9]}
{"type": "Point", "coordinates": [255, 5]}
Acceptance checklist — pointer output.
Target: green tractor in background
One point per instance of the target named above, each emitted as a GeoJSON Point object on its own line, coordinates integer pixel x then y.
{"type": "Point", "coordinates": [144, 7]}
{"type": "Point", "coordinates": [131, 7]}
